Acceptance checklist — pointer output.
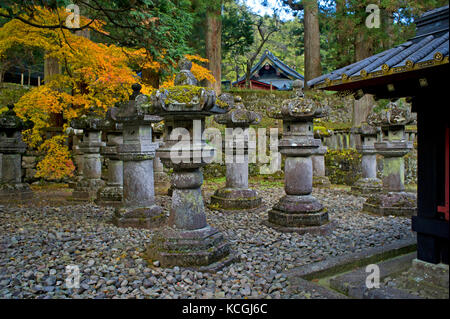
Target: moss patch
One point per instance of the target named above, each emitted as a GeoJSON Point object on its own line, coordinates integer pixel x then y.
{"type": "Point", "coordinates": [182, 94]}
{"type": "Point", "coordinates": [343, 166]}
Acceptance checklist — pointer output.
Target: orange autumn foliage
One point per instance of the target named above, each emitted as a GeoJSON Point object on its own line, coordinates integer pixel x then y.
{"type": "Point", "coordinates": [95, 76]}
{"type": "Point", "coordinates": [56, 164]}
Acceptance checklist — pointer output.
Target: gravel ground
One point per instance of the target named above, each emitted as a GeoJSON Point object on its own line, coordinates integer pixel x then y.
{"type": "Point", "coordinates": [37, 242]}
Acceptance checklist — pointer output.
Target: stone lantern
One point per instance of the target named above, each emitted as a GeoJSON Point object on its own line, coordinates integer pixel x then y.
{"type": "Point", "coordinates": [11, 149]}
{"type": "Point", "coordinates": [298, 211]}
{"type": "Point", "coordinates": [77, 155]}
{"type": "Point", "coordinates": [111, 193]}
{"type": "Point", "coordinates": [162, 180]}
{"type": "Point", "coordinates": [91, 181]}
{"type": "Point", "coordinates": [368, 183]}
{"type": "Point", "coordinates": [137, 152]}
{"type": "Point", "coordinates": [187, 240]}
{"type": "Point", "coordinates": [318, 162]}
{"type": "Point", "coordinates": [237, 194]}
{"type": "Point", "coordinates": [393, 147]}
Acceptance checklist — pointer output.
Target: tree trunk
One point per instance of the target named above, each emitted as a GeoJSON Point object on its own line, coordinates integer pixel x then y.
{"type": "Point", "coordinates": [51, 68]}
{"type": "Point", "coordinates": [313, 67]}
{"type": "Point", "coordinates": [151, 77]}
{"type": "Point", "coordinates": [344, 54]}
{"type": "Point", "coordinates": [3, 68]}
{"type": "Point", "coordinates": [363, 106]}
{"type": "Point", "coordinates": [213, 43]}
{"type": "Point", "coordinates": [387, 23]}
{"type": "Point", "coordinates": [363, 45]}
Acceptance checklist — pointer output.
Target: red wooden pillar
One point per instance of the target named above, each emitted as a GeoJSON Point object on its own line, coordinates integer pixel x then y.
{"type": "Point", "coordinates": [445, 209]}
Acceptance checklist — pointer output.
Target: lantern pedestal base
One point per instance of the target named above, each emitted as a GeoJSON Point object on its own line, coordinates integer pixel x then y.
{"type": "Point", "coordinates": [86, 189]}
{"type": "Point", "coordinates": [298, 213]}
{"type": "Point", "coordinates": [392, 203]}
{"type": "Point", "coordinates": [111, 195]}
{"type": "Point", "coordinates": [145, 218]}
{"type": "Point", "coordinates": [13, 192]}
{"type": "Point", "coordinates": [322, 230]}
{"type": "Point", "coordinates": [203, 248]}
{"type": "Point", "coordinates": [367, 186]}
{"type": "Point", "coordinates": [236, 199]}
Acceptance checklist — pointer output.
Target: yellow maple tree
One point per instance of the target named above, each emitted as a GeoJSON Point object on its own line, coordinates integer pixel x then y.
{"type": "Point", "coordinates": [95, 76]}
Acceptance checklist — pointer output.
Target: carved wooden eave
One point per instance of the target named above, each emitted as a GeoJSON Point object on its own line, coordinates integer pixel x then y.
{"type": "Point", "coordinates": [405, 70]}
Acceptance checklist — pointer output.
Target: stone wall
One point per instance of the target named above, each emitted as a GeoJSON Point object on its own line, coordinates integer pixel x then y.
{"type": "Point", "coordinates": [342, 139]}
{"type": "Point", "coordinates": [29, 163]}
{"type": "Point", "coordinates": [258, 100]}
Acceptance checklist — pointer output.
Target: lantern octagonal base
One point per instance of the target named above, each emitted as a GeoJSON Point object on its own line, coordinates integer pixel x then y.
{"type": "Point", "coordinates": [144, 218]}
{"type": "Point", "coordinates": [236, 199]}
{"type": "Point", "coordinates": [200, 248]}
{"type": "Point", "coordinates": [13, 192]}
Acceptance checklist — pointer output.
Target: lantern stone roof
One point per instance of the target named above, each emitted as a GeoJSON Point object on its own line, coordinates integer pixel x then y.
{"type": "Point", "coordinates": [299, 108]}
{"type": "Point", "coordinates": [10, 121]}
{"type": "Point", "coordinates": [185, 98]}
{"type": "Point", "coordinates": [391, 116]}
{"type": "Point", "coordinates": [238, 116]}
{"type": "Point", "coordinates": [418, 56]}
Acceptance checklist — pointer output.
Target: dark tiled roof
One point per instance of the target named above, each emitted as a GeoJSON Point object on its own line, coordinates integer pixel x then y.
{"type": "Point", "coordinates": [277, 63]}
{"type": "Point", "coordinates": [429, 47]}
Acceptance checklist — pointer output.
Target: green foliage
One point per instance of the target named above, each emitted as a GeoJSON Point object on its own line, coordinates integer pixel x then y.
{"type": "Point", "coordinates": [342, 26]}
{"type": "Point", "coordinates": [343, 166]}
{"type": "Point", "coordinates": [160, 26]}
{"type": "Point", "coordinates": [11, 93]}
{"type": "Point", "coordinates": [237, 30]}
{"type": "Point", "coordinates": [286, 44]}
{"type": "Point", "coordinates": [199, 10]}
{"type": "Point", "coordinates": [270, 183]}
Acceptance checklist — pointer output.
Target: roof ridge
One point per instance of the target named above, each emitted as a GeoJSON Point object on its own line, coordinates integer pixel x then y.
{"type": "Point", "coordinates": [281, 65]}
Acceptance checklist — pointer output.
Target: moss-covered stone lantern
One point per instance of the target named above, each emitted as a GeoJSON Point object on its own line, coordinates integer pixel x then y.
{"type": "Point", "coordinates": [11, 149]}
{"type": "Point", "coordinates": [369, 183]}
{"type": "Point", "coordinates": [318, 160]}
{"type": "Point", "coordinates": [86, 188]}
{"type": "Point", "coordinates": [237, 194]}
{"type": "Point", "coordinates": [77, 156]}
{"type": "Point", "coordinates": [298, 211]}
{"type": "Point", "coordinates": [111, 194]}
{"type": "Point", "coordinates": [139, 209]}
{"type": "Point", "coordinates": [162, 180]}
{"type": "Point", "coordinates": [187, 240]}
{"type": "Point", "coordinates": [393, 147]}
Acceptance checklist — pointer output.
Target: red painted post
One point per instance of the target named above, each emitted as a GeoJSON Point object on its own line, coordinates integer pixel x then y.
{"type": "Point", "coordinates": [445, 209]}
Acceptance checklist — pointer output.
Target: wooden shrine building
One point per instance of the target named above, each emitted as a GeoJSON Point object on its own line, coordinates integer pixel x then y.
{"type": "Point", "coordinates": [417, 69]}
{"type": "Point", "coordinates": [271, 73]}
